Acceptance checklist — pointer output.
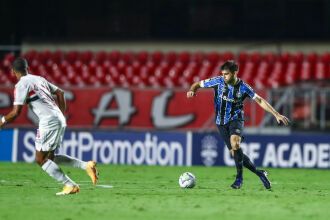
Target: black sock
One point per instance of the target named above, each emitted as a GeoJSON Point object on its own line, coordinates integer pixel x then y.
{"type": "Point", "coordinates": [248, 164]}
{"type": "Point", "coordinates": [238, 157]}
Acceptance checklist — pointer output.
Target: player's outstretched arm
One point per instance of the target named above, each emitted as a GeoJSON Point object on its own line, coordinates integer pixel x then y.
{"type": "Point", "coordinates": [265, 105]}
{"type": "Point", "coordinates": [15, 112]}
{"type": "Point", "coordinates": [61, 100]}
{"type": "Point", "coordinates": [193, 89]}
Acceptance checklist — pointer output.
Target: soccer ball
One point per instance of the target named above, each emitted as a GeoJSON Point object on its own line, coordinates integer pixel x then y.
{"type": "Point", "coordinates": [187, 180]}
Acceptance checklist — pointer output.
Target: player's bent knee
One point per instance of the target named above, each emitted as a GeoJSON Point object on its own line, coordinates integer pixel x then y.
{"type": "Point", "coordinates": [40, 161]}
{"type": "Point", "coordinates": [235, 141]}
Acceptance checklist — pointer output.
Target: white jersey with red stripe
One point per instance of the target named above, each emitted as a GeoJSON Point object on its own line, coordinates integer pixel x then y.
{"type": "Point", "coordinates": [37, 93]}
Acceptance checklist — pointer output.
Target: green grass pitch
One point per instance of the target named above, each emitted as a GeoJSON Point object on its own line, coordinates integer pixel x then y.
{"type": "Point", "coordinates": [153, 192]}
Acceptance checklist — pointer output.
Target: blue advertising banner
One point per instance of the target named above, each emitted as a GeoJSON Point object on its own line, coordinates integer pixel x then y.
{"type": "Point", "coordinates": [6, 143]}
{"type": "Point", "coordinates": [299, 151]}
{"type": "Point", "coordinates": [150, 148]}
{"type": "Point", "coordinates": [174, 148]}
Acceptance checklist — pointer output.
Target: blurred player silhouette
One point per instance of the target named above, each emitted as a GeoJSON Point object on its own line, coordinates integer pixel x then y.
{"type": "Point", "coordinates": [37, 93]}
{"type": "Point", "coordinates": [229, 94]}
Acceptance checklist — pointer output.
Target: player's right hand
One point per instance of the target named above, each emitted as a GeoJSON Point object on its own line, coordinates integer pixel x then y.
{"type": "Point", "coordinates": [282, 118]}
{"type": "Point", "coordinates": [191, 94]}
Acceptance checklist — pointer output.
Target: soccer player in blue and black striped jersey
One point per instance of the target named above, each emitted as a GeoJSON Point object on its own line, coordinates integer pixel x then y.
{"type": "Point", "coordinates": [229, 94]}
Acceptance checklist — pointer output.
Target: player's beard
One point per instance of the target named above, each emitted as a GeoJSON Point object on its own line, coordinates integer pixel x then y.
{"type": "Point", "coordinates": [231, 80]}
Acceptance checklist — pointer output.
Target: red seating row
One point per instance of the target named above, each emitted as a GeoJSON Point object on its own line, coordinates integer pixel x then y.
{"type": "Point", "coordinates": [168, 69]}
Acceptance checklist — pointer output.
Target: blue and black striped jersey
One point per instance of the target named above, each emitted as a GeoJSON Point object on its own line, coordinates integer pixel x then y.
{"type": "Point", "coordinates": [228, 99]}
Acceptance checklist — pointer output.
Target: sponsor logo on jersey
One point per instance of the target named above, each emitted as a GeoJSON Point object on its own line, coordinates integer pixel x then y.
{"type": "Point", "coordinates": [227, 99]}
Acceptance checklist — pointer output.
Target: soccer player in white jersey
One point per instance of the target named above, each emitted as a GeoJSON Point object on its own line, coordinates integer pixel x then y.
{"type": "Point", "coordinates": [229, 95]}
{"type": "Point", "coordinates": [37, 93]}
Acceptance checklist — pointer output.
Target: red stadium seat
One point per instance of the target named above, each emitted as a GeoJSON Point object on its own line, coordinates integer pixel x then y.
{"type": "Point", "coordinates": [242, 57]}
{"type": "Point", "coordinates": [320, 71]}
{"type": "Point", "coordinates": [312, 57]}
{"type": "Point", "coordinates": [247, 73]}
{"type": "Point", "coordinates": [171, 69]}
{"type": "Point", "coordinates": [108, 81]}
{"type": "Point", "coordinates": [142, 57]}
{"type": "Point", "coordinates": [184, 57]}
{"type": "Point", "coordinates": [159, 74]}
{"type": "Point", "coordinates": [136, 81]}
{"type": "Point", "coordinates": [57, 56]}
{"type": "Point", "coordinates": [121, 65]}
{"type": "Point", "coordinates": [7, 61]}
{"type": "Point", "coordinates": [129, 73]}
{"type": "Point", "coordinates": [114, 57]}
{"type": "Point", "coordinates": [261, 75]}
{"type": "Point", "coordinates": [325, 57]}
{"type": "Point", "coordinates": [171, 57]}
{"type": "Point", "coordinates": [298, 57]}
{"type": "Point", "coordinates": [213, 57]}
{"type": "Point", "coordinates": [100, 73]}
{"type": "Point", "coordinates": [71, 56]}
{"type": "Point", "coordinates": [255, 57]}
{"type": "Point", "coordinates": [114, 73]}
{"type": "Point", "coordinates": [285, 57]}
{"type": "Point", "coordinates": [44, 56]}
{"type": "Point", "coordinates": [198, 57]}
{"type": "Point", "coordinates": [153, 81]}
{"type": "Point", "coordinates": [173, 74]}
{"type": "Point", "coordinates": [30, 55]}
{"type": "Point", "coordinates": [275, 77]}
{"type": "Point", "coordinates": [101, 56]}
{"type": "Point", "coordinates": [270, 57]}
{"type": "Point", "coordinates": [136, 66]}
{"type": "Point", "coordinates": [227, 56]}
{"type": "Point", "coordinates": [128, 57]}
{"type": "Point", "coordinates": [85, 56]}
{"type": "Point", "coordinates": [290, 76]}
{"type": "Point", "coordinates": [144, 73]}
{"type": "Point", "coordinates": [305, 72]}
{"type": "Point", "coordinates": [77, 66]}
{"type": "Point", "coordinates": [157, 57]}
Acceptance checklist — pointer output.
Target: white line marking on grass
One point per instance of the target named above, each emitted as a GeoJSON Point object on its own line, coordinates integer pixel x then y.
{"type": "Point", "coordinates": [101, 186]}
{"type": "Point", "coordinates": [105, 186]}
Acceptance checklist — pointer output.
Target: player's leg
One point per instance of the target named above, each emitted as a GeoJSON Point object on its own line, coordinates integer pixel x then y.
{"type": "Point", "coordinates": [89, 166]}
{"type": "Point", "coordinates": [46, 144]}
{"type": "Point", "coordinates": [66, 160]}
{"type": "Point", "coordinates": [236, 128]}
{"type": "Point", "coordinates": [235, 131]}
{"type": "Point", "coordinates": [44, 159]}
{"type": "Point", "coordinates": [235, 141]}
{"type": "Point", "coordinates": [225, 134]}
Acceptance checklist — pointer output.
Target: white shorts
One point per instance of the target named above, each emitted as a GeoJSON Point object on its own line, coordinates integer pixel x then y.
{"type": "Point", "coordinates": [49, 140]}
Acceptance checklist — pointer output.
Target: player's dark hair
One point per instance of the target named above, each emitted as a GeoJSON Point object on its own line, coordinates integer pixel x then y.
{"type": "Point", "coordinates": [20, 65]}
{"type": "Point", "coordinates": [229, 65]}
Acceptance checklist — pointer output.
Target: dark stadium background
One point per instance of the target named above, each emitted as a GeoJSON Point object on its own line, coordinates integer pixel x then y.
{"type": "Point", "coordinates": [184, 20]}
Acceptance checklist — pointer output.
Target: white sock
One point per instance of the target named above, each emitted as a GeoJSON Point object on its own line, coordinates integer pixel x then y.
{"type": "Point", "coordinates": [55, 171]}
{"type": "Point", "coordinates": [70, 161]}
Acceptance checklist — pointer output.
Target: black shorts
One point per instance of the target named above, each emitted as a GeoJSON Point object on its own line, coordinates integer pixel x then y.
{"type": "Point", "coordinates": [232, 127]}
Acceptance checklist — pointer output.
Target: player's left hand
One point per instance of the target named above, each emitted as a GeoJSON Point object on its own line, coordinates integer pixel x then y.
{"type": "Point", "coordinates": [282, 118]}
{"type": "Point", "coordinates": [190, 94]}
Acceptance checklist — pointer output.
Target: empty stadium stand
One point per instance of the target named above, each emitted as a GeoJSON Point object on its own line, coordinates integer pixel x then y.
{"type": "Point", "coordinates": [172, 69]}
